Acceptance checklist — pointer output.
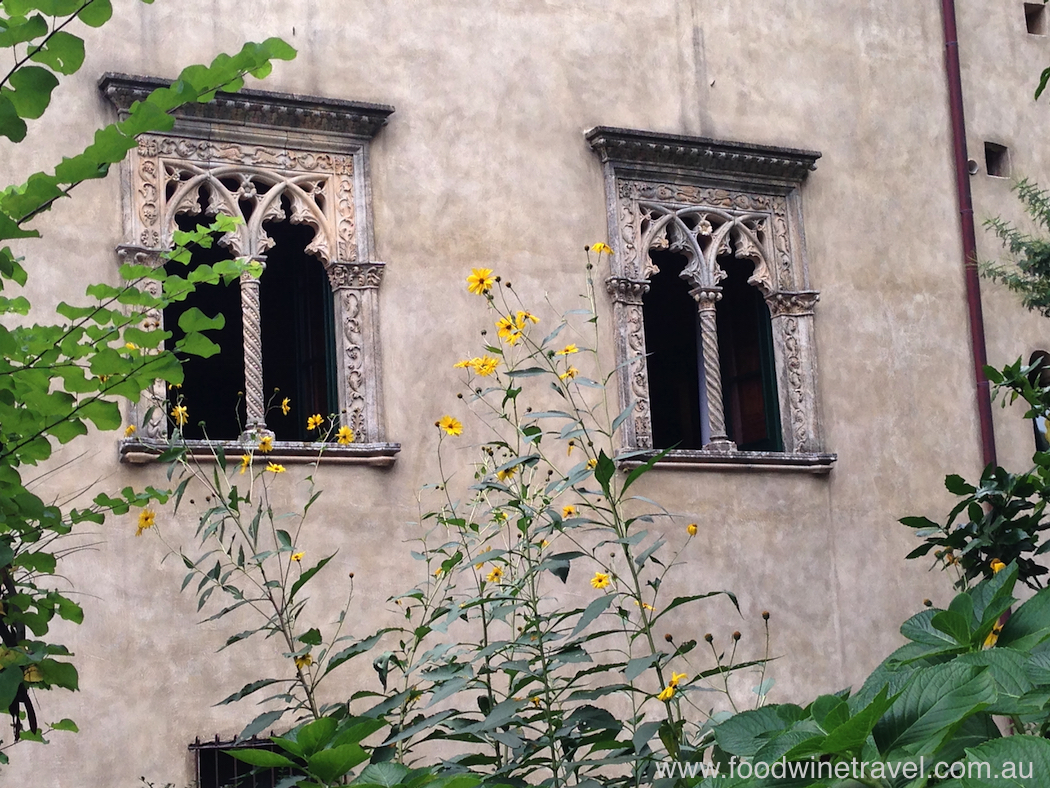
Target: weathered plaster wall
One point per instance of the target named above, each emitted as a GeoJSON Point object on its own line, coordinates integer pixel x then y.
{"type": "Point", "coordinates": [484, 164]}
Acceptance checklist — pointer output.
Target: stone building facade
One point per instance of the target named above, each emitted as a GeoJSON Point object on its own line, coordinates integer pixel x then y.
{"type": "Point", "coordinates": [421, 138]}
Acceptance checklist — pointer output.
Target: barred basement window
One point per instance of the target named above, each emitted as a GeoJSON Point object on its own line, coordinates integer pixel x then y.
{"type": "Point", "coordinates": [294, 170]}
{"type": "Point", "coordinates": [217, 769]}
{"type": "Point", "coordinates": [711, 299]}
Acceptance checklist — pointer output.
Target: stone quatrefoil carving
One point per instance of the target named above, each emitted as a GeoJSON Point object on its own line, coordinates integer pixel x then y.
{"type": "Point", "coordinates": [261, 158]}
{"type": "Point", "coordinates": [704, 199]}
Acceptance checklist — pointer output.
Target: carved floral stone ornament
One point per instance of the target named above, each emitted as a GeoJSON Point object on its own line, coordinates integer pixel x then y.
{"type": "Point", "coordinates": [264, 157]}
{"type": "Point", "coordinates": [702, 199]}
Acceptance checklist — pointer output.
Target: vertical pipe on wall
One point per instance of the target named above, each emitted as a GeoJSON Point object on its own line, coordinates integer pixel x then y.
{"type": "Point", "coordinates": [968, 235]}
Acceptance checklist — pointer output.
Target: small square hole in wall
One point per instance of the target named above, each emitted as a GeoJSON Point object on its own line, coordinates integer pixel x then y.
{"type": "Point", "coordinates": [1035, 18]}
{"type": "Point", "coordinates": [997, 160]}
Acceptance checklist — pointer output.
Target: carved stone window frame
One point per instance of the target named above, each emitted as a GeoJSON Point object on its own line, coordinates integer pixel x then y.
{"type": "Point", "coordinates": [315, 152]}
{"type": "Point", "coordinates": [703, 198]}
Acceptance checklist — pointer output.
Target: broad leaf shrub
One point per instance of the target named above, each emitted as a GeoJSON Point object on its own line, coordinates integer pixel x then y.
{"type": "Point", "coordinates": [58, 379]}
{"type": "Point", "coordinates": [932, 702]}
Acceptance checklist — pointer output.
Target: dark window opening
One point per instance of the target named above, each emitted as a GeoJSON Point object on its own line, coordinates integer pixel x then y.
{"type": "Point", "coordinates": [211, 390]}
{"type": "Point", "coordinates": [997, 160]}
{"type": "Point", "coordinates": [1035, 18]}
{"type": "Point", "coordinates": [216, 769]}
{"type": "Point", "coordinates": [745, 351]}
{"type": "Point", "coordinates": [672, 361]}
{"type": "Point", "coordinates": [298, 334]}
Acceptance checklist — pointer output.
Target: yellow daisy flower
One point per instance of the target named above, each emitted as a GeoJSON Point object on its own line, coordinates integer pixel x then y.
{"type": "Point", "coordinates": [508, 330]}
{"type": "Point", "coordinates": [266, 444]}
{"type": "Point", "coordinates": [286, 406]}
{"type": "Point", "coordinates": [495, 575]}
{"type": "Point", "coordinates": [304, 661]}
{"type": "Point", "coordinates": [129, 430]}
{"type": "Point", "coordinates": [567, 350]}
{"type": "Point", "coordinates": [314, 422]}
{"type": "Point", "coordinates": [246, 461]}
{"type": "Point", "coordinates": [666, 695]}
{"type": "Point", "coordinates": [344, 436]}
{"type": "Point", "coordinates": [130, 346]}
{"type": "Point", "coordinates": [467, 362]}
{"type": "Point", "coordinates": [147, 518]}
{"type": "Point", "coordinates": [600, 248]}
{"type": "Point", "coordinates": [298, 556]}
{"type": "Point", "coordinates": [507, 474]}
{"type": "Point", "coordinates": [180, 415]}
{"type": "Point", "coordinates": [568, 511]}
{"type": "Point", "coordinates": [523, 316]}
{"type": "Point", "coordinates": [601, 580]}
{"type": "Point", "coordinates": [485, 365]}
{"type": "Point", "coordinates": [569, 374]}
{"type": "Point", "coordinates": [676, 678]}
{"type": "Point", "coordinates": [997, 566]}
{"type": "Point", "coordinates": [592, 464]}
{"type": "Point", "coordinates": [480, 281]}
{"type": "Point", "coordinates": [273, 467]}
{"type": "Point", "coordinates": [645, 605]}
{"type": "Point", "coordinates": [449, 425]}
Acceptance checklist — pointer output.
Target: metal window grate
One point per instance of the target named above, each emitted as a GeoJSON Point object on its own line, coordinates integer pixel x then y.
{"type": "Point", "coordinates": [217, 769]}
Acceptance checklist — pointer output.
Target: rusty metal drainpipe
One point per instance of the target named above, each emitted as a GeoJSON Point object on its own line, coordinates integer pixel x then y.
{"type": "Point", "coordinates": [969, 237]}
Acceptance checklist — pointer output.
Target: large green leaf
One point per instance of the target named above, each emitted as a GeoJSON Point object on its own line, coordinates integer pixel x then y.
{"type": "Point", "coordinates": [63, 52]}
{"type": "Point", "coordinates": [33, 86]}
{"type": "Point", "coordinates": [745, 734]}
{"type": "Point", "coordinates": [935, 702]}
{"type": "Point", "coordinates": [1012, 762]}
{"type": "Point", "coordinates": [1029, 625]}
{"type": "Point", "coordinates": [331, 765]}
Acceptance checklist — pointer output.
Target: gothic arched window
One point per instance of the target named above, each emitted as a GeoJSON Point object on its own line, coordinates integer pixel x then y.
{"type": "Point", "coordinates": [711, 299]}
{"type": "Point", "coordinates": [294, 171]}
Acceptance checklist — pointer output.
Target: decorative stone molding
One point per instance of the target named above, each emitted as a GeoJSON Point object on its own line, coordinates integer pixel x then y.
{"type": "Point", "coordinates": [703, 199]}
{"type": "Point", "coordinates": [261, 157]}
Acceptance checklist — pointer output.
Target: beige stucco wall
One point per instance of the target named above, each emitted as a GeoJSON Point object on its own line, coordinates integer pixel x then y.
{"type": "Point", "coordinates": [484, 164]}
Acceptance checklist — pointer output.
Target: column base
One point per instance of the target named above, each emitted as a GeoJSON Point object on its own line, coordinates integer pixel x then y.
{"type": "Point", "coordinates": [722, 446]}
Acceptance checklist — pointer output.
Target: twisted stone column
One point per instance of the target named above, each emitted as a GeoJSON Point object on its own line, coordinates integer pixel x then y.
{"type": "Point", "coordinates": [706, 298]}
{"type": "Point", "coordinates": [254, 397]}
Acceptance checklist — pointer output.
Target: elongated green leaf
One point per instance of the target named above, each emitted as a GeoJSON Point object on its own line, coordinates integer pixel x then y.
{"type": "Point", "coordinates": [591, 612]}
{"type": "Point", "coordinates": [247, 690]}
{"type": "Point", "coordinates": [259, 757]}
{"type": "Point", "coordinates": [304, 578]}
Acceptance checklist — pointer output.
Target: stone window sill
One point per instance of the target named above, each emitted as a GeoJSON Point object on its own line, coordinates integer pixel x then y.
{"type": "Point", "coordinates": [697, 459]}
{"type": "Point", "coordinates": [378, 455]}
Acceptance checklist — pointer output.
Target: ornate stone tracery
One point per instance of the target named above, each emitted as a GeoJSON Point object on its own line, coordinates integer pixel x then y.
{"type": "Point", "coordinates": [704, 199]}
{"type": "Point", "coordinates": [299, 158]}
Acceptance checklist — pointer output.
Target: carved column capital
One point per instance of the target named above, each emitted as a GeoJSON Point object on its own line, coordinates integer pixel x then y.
{"type": "Point", "coordinates": [626, 291]}
{"type": "Point", "coordinates": [342, 274]}
{"type": "Point", "coordinates": [706, 297]}
{"type": "Point", "coordinates": [796, 304]}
